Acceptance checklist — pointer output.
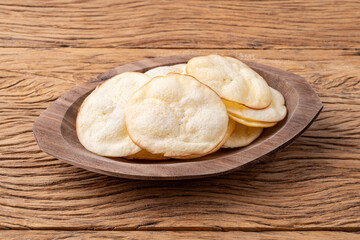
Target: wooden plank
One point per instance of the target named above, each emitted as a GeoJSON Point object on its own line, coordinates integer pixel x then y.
{"type": "Point", "coordinates": [185, 235]}
{"type": "Point", "coordinates": [313, 184]}
{"type": "Point", "coordinates": [181, 24]}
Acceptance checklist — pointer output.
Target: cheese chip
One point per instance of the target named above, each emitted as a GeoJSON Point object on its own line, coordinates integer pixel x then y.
{"type": "Point", "coordinates": [273, 113]}
{"type": "Point", "coordinates": [177, 116]}
{"type": "Point", "coordinates": [100, 122]}
{"type": "Point", "coordinates": [231, 79]}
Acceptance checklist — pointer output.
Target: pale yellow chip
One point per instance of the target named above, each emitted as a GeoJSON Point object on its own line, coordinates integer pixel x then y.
{"type": "Point", "coordinates": [163, 70]}
{"type": "Point", "coordinates": [250, 123]}
{"type": "Point", "coordinates": [229, 132]}
{"type": "Point", "coordinates": [242, 136]}
{"type": "Point", "coordinates": [273, 113]}
{"type": "Point", "coordinates": [100, 122]}
{"type": "Point", "coordinates": [144, 155]}
{"type": "Point", "coordinates": [231, 79]}
{"type": "Point", "coordinates": [177, 116]}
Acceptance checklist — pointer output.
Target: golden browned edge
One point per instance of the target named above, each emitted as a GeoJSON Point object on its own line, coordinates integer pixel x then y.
{"type": "Point", "coordinates": [248, 119]}
{"type": "Point", "coordinates": [251, 123]}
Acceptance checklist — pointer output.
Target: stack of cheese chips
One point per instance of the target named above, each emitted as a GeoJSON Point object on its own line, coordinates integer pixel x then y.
{"type": "Point", "coordinates": [182, 111]}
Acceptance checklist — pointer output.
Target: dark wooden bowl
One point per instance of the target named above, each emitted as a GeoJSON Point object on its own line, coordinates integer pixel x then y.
{"type": "Point", "coordinates": [55, 132]}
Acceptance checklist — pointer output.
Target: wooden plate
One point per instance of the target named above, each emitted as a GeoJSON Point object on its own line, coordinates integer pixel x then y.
{"type": "Point", "coordinates": [55, 130]}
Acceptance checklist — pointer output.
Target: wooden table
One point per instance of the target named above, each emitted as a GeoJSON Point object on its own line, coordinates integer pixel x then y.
{"type": "Point", "coordinates": [311, 190]}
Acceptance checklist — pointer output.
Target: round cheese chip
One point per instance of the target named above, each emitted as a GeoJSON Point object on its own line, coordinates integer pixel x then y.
{"type": "Point", "coordinates": [242, 136]}
{"type": "Point", "coordinates": [144, 155]}
{"type": "Point", "coordinates": [231, 79]}
{"type": "Point", "coordinates": [250, 123]}
{"type": "Point", "coordinates": [177, 116]}
{"type": "Point", "coordinates": [273, 113]}
{"type": "Point", "coordinates": [100, 122]}
{"type": "Point", "coordinates": [162, 71]}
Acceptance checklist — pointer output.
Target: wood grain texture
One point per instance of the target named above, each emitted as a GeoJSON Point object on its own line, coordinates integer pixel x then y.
{"type": "Point", "coordinates": [313, 184]}
{"type": "Point", "coordinates": [170, 235]}
{"type": "Point", "coordinates": [181, 24]}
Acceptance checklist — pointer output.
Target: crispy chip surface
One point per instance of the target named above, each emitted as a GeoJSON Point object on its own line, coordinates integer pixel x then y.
{"type": "Point", "coordinates": [229, 132]}
{"type": "Point", "coordinates": [100, 122]}
{"type": "Point", "coordinates": [177, 116]}
{"type": "Point", "coordinates": [231, 79]}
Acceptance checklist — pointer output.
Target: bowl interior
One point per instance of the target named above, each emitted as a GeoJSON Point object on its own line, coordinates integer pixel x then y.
{"type": "Point", "coordinates": [68, 124]}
